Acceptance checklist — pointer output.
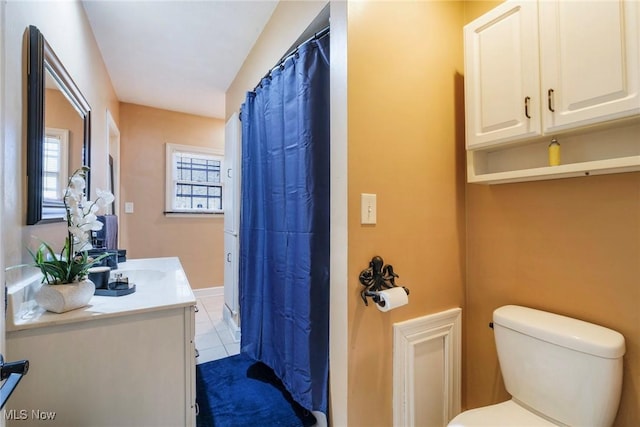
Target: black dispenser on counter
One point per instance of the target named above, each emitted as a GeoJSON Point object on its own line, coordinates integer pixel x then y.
{"type": "Point", "coordinates": [105, 241]}
{"type": "Point", "coordinates": [109, 285]}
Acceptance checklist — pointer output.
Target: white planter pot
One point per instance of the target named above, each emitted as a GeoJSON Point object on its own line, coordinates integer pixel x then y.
{"type": "Point", "coordinates": [65, 297]}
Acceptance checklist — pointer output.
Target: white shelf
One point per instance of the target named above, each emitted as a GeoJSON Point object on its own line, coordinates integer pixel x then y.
{"type": "Point", "coordinates": [589, 152]}
{"type": "Point", "coordinates": [528, 80]}
{"type": "Point", "coordinates": [596, 167]}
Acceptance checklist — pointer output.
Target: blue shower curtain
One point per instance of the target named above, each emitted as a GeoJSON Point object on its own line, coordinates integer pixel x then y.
{"type": "Point", "coordinates": [284, 225]}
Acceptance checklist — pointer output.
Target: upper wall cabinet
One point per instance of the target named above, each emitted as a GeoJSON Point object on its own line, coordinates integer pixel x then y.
{"type": "Point", "coordinates": [589, 62]}
{"type": "Point", "coordinates": [502, 82]}
{"type": "Point", "coordinates": [537, 70]}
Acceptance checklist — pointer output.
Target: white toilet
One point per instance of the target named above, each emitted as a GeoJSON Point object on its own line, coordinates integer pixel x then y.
{"type": "Point", "coordinates": [559, 371]}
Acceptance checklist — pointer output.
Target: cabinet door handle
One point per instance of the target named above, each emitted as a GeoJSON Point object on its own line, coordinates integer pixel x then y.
{"type": "Point", "coordinates": [228, 173]}
{"type": "Point", "coordinates": [550, 100]}
{"type": "Point", "coordinates": [229, 257]}
{"type": "Point", "coordinates": [526, 106]}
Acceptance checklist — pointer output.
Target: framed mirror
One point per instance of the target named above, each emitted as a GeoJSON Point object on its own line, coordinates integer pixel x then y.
{"type": "Point", "coordinates": [58, 131]}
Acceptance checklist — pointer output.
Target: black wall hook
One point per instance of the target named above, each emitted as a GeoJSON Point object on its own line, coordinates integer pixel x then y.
{"type": "Point", "coordinates": [376, 278]}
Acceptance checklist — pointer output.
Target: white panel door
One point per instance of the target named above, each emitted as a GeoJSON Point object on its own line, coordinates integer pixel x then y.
{"type": "Point", "coordinates": [231, 253]}
{"type": "Point", "coordinates": [501, 75]}
{"type": "Point", "coordinates": [589, 61]}
{"type": "Point", "coordinates": [231, 172]}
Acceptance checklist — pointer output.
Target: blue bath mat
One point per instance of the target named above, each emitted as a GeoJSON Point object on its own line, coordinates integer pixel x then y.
{"type": "Point", "coordinates": [237, 391]}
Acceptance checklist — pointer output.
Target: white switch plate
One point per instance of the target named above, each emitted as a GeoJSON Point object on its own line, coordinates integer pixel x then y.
{"type": "Point", "coordinates": [128, 207]}
{"type": "Point", "coordinates": [368, 209]}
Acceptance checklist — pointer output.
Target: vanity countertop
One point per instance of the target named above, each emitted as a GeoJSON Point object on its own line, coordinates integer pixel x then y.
{"type": "Point", "coordinates": [160, 284]}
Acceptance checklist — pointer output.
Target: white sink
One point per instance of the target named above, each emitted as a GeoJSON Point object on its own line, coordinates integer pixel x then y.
{"type": "Point", "coordinates": [140, 275]}
{"type": "Point", "coordinates": [160, 283]}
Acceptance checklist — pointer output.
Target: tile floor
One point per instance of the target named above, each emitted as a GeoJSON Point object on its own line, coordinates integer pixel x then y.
{"type": "Point", "coordinates": [213, 338]}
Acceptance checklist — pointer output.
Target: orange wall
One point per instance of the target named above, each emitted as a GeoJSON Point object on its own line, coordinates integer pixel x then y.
{"type": "Point", "coordinates": [570, 246]}
{"type": "Point", "coordinates": [59, 113]}
{"type": "Point", "coordinates": [147, 233]}
{"type": "Point", "coordinates": [76, 47]}
{"type": "Point", "coordinates": [405, 144]}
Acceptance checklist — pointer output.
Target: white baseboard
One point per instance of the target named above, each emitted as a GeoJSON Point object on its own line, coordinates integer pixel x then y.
{"type": "Point", "coordinates": [232, 322]}
{"type": "Point", "coordinates": [209, 292]}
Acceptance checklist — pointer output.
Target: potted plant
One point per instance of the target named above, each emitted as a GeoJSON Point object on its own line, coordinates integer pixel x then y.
{"type": "Point", "coordinates": [65, 284]}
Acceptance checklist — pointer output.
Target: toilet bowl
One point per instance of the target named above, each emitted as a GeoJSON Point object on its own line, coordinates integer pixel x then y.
{"type": "Point", "coordinates": [559, 371]}
{"type": "Point", "coordinates": [505, 414]}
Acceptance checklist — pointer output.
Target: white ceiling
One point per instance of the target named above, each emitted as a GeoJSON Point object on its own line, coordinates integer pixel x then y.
{"type": "Point", "coordinates": [176, 55]}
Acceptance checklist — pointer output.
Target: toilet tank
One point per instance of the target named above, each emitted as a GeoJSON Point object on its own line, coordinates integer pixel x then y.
{"type": "Point", "coordinates": [565, 369]}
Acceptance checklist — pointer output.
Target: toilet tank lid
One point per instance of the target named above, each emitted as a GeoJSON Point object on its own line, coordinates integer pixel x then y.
{"type": "Point", "coordinates": [561, 330]}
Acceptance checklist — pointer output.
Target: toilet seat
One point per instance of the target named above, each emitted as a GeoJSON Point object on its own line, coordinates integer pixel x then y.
{"type": "Point", "coordinates": [505, 414]}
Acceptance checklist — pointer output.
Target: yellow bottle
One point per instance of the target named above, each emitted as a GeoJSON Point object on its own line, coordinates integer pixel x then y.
{"type": "Point", "coordinates": [554, 152]}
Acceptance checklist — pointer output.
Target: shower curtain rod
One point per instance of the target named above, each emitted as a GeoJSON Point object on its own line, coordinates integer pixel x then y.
{"type": "Point", "coordinates": [288, 55]}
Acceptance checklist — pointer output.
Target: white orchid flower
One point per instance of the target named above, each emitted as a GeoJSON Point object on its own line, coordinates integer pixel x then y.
{"type": "Point", "coordinates": [94, 225]}
{"type": "Point", "coordinates": [77, 183]}
{"type": "Point", "coordinates": [83, 245]}
{"type": "Point", "coordinates": [90, 209]}
{"type": "Point", "coordinates": [78, 234]}
{"type": "Point", "coordinates": [71, 203]}
{"type": "Point", "coordinates": [105, 198]}
{"type": "Point", "coordinates": [81, 216]}
{"type": "Point", "coordinates": [76, 231]}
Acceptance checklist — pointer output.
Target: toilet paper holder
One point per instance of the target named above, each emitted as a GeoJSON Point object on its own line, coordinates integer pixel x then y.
{"type": "Point", "coordinates": [376, 278]}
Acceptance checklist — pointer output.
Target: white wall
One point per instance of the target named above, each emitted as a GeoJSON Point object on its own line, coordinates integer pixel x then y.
{"type": "Point", "coordinates": [2, 72]}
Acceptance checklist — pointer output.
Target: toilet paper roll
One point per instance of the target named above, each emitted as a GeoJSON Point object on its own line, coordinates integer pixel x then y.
{"type": "Point", "coordinates": [393, 298]}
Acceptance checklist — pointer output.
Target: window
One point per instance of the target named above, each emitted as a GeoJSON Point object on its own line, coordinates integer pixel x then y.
{"type": "Point", "coordinates": [55, 172]}
{"type": "Point", "coordinates": [194, 180]}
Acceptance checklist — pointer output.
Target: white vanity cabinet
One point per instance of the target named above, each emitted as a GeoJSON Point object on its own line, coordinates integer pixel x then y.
{"type": "Point", "coordinates": [537, 70]}
{"type": "Point", "coordinates": [120, 361]}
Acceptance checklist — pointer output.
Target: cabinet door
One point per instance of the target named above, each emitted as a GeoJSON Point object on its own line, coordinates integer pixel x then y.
{"type": "Point", "coordinates": [190, 364]}
{"type": "Point", "coordinates": [231, 199]}
{"type": "Point", "coordinates": [231, 252]}
{"type": "Point", "coordinates": [501, 75]}
{"type": "Point", "coordinates": [589, 61]}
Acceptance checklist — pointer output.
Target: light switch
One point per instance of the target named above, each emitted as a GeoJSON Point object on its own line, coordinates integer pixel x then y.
{"type": "Point", "coordinates": [367, 208]}
{"type": "Point", "coordinates": [128, 207]}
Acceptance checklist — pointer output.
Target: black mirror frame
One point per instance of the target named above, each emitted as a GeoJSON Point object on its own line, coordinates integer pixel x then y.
{"type": "Point", "coordinates": [41, 59]}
